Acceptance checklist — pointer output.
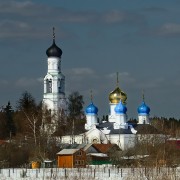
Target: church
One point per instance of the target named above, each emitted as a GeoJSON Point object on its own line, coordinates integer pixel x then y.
{"type": "Point", "coordinates": [116, 130]}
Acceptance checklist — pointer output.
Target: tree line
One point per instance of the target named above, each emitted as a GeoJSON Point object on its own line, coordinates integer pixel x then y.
{"type": "Point", "coordinates": [20, 129]}
{"type": "Point", "coordinates": [21, 139]}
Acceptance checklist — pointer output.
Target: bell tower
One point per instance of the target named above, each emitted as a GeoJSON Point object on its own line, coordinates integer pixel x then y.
{"type": "Point", "coordinates": [54, 98]}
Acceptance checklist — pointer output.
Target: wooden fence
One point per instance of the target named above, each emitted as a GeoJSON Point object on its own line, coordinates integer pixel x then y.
{"type": "Point", "coordinates": [93, 172]}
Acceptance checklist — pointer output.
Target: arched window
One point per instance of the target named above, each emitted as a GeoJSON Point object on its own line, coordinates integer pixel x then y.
{"type": "Point", "coordinates": [49, 85]}
{"type": "Point", "coordinates": [59, 85]}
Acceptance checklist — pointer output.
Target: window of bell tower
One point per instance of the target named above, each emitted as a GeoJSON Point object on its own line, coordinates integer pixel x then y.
{"type": "Point", "coordinates": [59, 85]}
{"type": "Point", "coordinates": [49, 86]}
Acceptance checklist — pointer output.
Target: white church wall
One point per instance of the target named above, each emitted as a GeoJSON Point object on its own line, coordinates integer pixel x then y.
{"type": "Point", "coordinates": [95, 135]}
{"type": "Point", "coordinates": [91, 119]}
{"type": "Point", "coordinates": [48, 104]}
{"type": "Point", "coordinates": [121, 119]}
{"type": "Point", "coordinates": [69, 139]}
{"type": "Point", "coordinates": [143, 119]}
{"type": "Point", "coordinates": [124, 141]}
{"type": "Point", "coordinates": [53, 64]}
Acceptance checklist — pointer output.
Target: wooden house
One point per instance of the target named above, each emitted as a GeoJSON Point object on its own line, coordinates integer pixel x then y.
{"type": "Point", "coordinates": [71, 158]}
{"type": "Point", "coordinates": [106, 148]}
{"type": "Point", "coordinates": [98, 154]}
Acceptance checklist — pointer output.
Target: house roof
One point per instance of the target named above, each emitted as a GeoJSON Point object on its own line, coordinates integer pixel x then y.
{"type": "Point", "coordinates": [97, 154]}
{"type": "Point", "coordinates": [87, 146]}
{"type": "Point", "coordinates": [67, 151]}
{"type": "Point", "coordinates": [103, 148]}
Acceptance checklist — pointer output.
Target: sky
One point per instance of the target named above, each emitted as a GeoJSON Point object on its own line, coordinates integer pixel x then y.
{"type": "Point", "coordinates": [140, 39]}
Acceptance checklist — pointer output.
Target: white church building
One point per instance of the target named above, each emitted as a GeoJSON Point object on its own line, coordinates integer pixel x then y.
{"type": "Point", "coordinates": [116, 130]}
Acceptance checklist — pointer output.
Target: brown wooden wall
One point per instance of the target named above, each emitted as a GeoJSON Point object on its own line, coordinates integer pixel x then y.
{"type": "Point", "coordinates": [78, 159]}
{"type": "Point", "coordinates": [65, 161]}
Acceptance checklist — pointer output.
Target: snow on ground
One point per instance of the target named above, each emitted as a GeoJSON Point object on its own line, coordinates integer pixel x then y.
{"type": "Point", "coordinates": [90, 173]}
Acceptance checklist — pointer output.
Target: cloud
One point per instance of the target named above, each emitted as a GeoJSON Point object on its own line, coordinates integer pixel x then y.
{"type": "Point", "coordinates": [118, 16]}
{"type": "Point", "coordinates": [85, 79]}
{"type": "Point", "coordinates": [40, 79]}
{"type": "Point", "coordinates": [126, 77]}
{"type": "Point", "coordinates": [21, 29]}
{"type": "Point", "coordinates": [132, 82]}
{"type": "Point", "coordinates": [79, 75]}
{"type": "Point", "coordinates": [155, 9]}
{"type": "Point", "coordinates": [22, 19]}
{"type": "Point", "coordinates": [27, 82]}
{"type": "Point", "coordinates": [44, 13]}
{"type": "Point", "coordinates": [14, 28]}
{"type": "Point", "coordinates": [168, 29]}
{"type": "Point", "coordinates": [3, 82]}
{"type": "Point", "coordinates": [95, 17]}
{"type": "Point", "coordinates": [82, 71]}
{"type": "Point", "coordinates": [165, 30]}
{"type": "Point", "coordinates": [26, 8]}
{"type": "Point", "coordinates": [150, 84]}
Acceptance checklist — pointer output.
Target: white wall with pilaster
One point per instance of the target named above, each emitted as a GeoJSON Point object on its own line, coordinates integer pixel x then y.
{"type": "Point", "coordinates": [143, 119]}
{"type": "Point", "coordinates": [112, 115]}
{"type": "Point", "coordinates": [124, 141]}
{"type": "Point", "coordinates": [91, 119]}
{"type": "Point", "coordinates": [121, 118]}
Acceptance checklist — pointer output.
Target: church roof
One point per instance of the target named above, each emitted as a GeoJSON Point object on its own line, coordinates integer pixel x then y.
{"type": "Point", "coordinates": [117, 95]}
{"type": "Point", "coordinates": [140, 128]}
{"type": "Point", "coordinates": [143, 109]}
{"type": "Point", "coordinates": [54, 50]}
{"type": "Point", "coordinates": [110, 126]}
{"type": "Point", "coordinates": [120, 108]}
{"type": "Point", "coordinates": [121, 131]}
{"type": "Point", "coordinates": [91, 109]}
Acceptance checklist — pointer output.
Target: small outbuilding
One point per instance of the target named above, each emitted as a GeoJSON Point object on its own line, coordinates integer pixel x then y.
{"type": "Point", "coordinates": [71, 158]}
{"type": "Point", "coordinates": [47, 164]}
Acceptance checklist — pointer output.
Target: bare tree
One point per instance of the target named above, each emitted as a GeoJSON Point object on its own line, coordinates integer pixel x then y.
{"type": "Point", "coordinates": [32, 124]}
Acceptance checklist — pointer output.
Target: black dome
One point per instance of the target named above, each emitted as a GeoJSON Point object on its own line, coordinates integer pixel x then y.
{"type": "Point", "coordinates": [54, 51]}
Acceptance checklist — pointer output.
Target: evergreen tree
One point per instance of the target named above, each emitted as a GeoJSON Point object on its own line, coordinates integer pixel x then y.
{"type": "Point", "coordinates": [28, 114]}
{"type": "Point", "coordinates": [9, 119]}
{"type": "Point", "coordinates": [76, 118]}
{"type": "Point", "coordinates": [26, 103]}
{"type": "Point", "coordinates": [75, 105]}
{"type": "Point", "coordinates": [4, 133]}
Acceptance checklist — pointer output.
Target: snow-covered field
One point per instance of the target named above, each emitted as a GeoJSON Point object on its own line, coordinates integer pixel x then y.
{"type": "Point", "coordinates": [93, 172]}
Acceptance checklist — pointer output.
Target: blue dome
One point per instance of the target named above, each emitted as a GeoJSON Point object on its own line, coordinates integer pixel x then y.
{"type": "Point", "coordinates": [143, 109]}
{"type": "Point", "coordinates": [91, 109]}
{"type": "Point", "coordinates": [120, 108]}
